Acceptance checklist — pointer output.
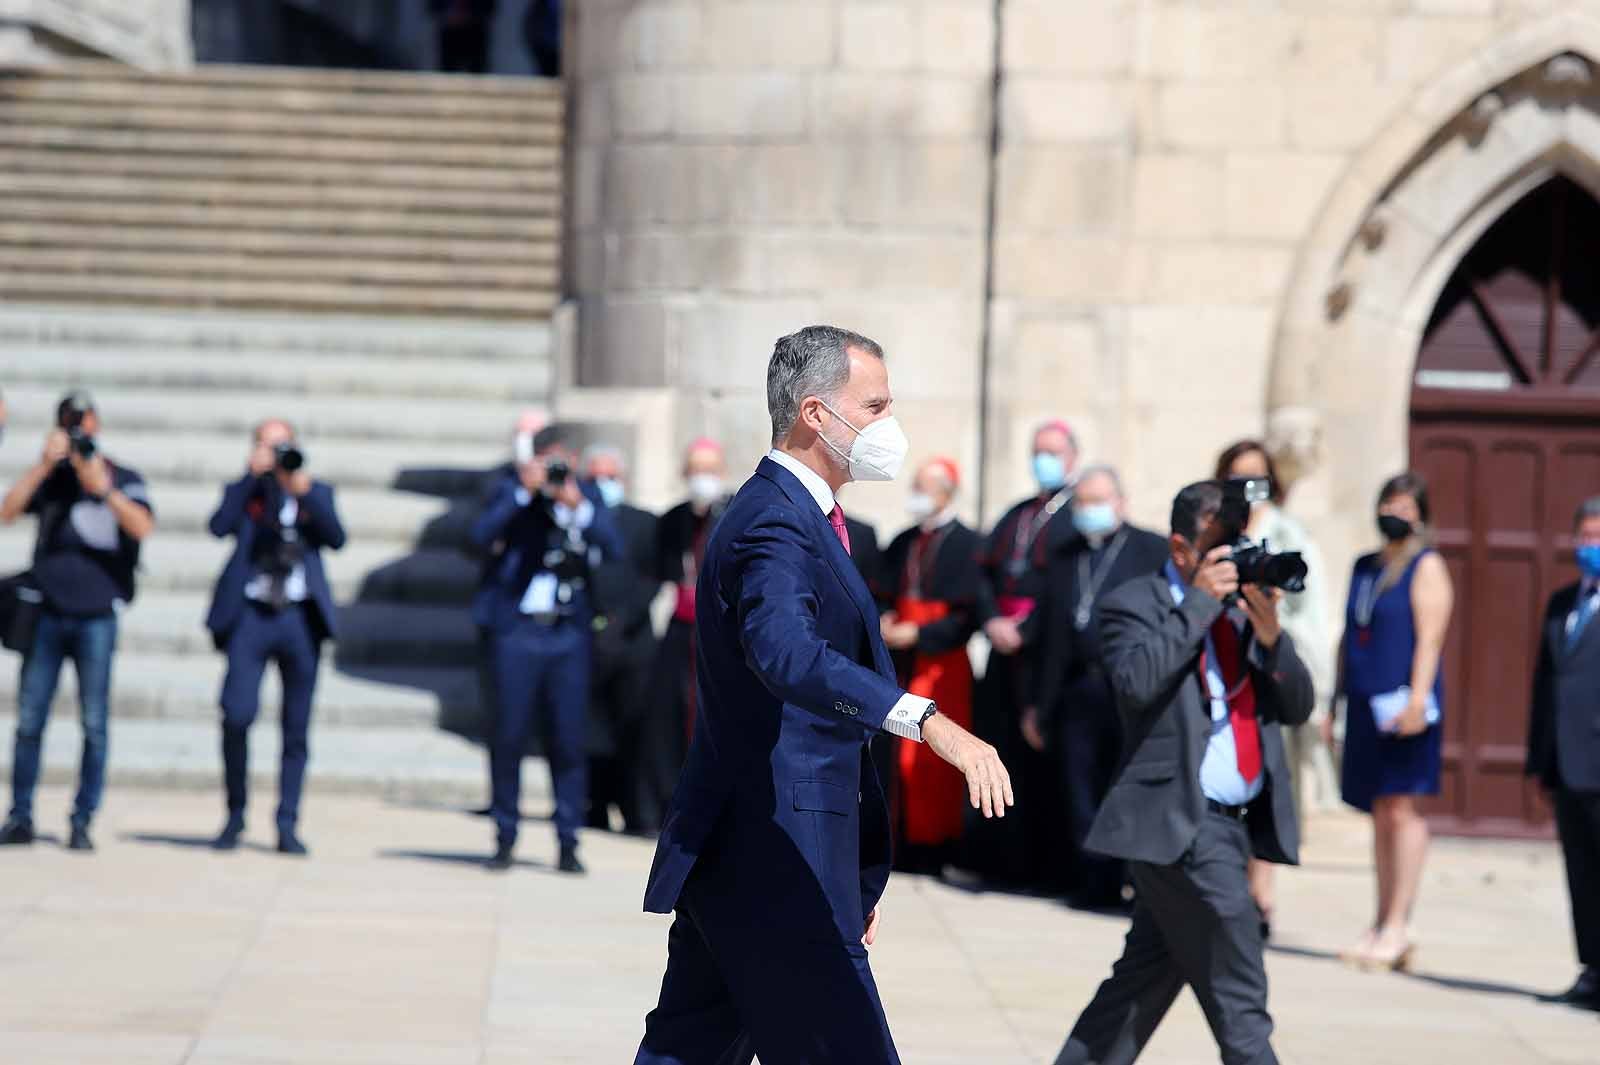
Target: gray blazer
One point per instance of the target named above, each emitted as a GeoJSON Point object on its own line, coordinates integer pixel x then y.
{"type": "Point", "coordinates": [1152, 656]}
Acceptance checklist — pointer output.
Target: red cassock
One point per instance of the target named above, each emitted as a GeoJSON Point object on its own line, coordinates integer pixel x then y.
{"type": "Point", "coordinates": [931, 792]}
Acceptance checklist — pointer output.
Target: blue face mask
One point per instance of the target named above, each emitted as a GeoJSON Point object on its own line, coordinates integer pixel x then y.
{"type": "Point", "coordinates": [610, 491]}
{"type": "Point", "coordinates": [1589, 560]}
{"type": "Point", "coordinates": [1095, 519]}
{"type": "Point", "coordinates": [1049, 471]}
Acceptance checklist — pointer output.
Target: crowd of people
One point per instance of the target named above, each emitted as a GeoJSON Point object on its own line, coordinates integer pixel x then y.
{"type": "Point", "coordinates": [587, 610]}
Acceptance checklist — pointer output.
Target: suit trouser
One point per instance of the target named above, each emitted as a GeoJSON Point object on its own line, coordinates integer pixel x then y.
{"type": "Point", "coordinates": [1089, 740]}
{"type": "Point", "coordinates": [1194, 924]}
{"type": "Point", "coordinates": [264, 635]}
{"type": "Point", "coordinates": [1578, 821]}
{"type": "Point", "coordinates": [541, 675]}
{"type": "Point", "coordinates": [729, 995]}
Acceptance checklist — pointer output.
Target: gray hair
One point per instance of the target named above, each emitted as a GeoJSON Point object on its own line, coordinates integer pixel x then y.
{"type": "Point", "coordinates": [1589, 508]}
{"type": "Point", "coordinates": [603, 451]}
{"type": "Point", "coordinates": [1101, 469]}
{"type": "Point", "coordinates": [813, 362]}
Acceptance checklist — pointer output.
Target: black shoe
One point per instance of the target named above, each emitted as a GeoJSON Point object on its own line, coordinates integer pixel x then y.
{"type": "Point", "coordinates": [289, 843]}
{"type": "Point", "coordinates": [1584, 995]}
{"type": "Point", "coordinates": [228, 839]}
{"type": "Point", "coordinates": [501, 860]}
{"type": "Point", "coordinates": [16, 834]}
{"type": "Point", "coordinates": [79, 840]}
{"type": "Point", "coordinates": [569, 862]}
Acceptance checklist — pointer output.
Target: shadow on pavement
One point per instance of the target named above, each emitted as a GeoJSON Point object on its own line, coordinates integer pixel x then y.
{"type": "Point", "coordinates": [479, 859]}
{"type": "Point", "coordinates": [199, 843]}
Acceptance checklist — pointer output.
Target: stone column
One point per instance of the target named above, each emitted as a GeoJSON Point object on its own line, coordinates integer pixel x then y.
{"type": "Point", "coordinates": [150, 34]}
{"type": "Point", "coordinates": [741, 168]}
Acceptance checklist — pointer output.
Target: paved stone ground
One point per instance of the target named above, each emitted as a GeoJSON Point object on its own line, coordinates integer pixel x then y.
{"type": "Point", "coordinates": [390, 946]}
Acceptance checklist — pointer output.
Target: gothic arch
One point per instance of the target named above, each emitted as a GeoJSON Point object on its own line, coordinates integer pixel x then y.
{"type": "Point", "coordinates": [1461, 152]}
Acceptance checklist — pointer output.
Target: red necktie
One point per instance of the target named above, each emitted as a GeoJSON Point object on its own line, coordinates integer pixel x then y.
{"type": "Point", "coordinates": [836, 519]}
{"type": "Point", "coordinates": [1241, 698]}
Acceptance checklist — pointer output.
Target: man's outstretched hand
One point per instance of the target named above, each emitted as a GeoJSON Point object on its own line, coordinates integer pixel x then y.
{"type": "Point", "coordinates": [988, 783]}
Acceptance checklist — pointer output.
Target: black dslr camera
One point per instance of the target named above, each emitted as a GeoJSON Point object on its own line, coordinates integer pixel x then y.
{"type": "Point", "coordinates": [1257, 564]}
{"type": "Point", "coordinates": [73, 410]}
{"type": "Point", "coordinates": [288, 457]}
{"type": "Point", "coordinates": [556, 472]}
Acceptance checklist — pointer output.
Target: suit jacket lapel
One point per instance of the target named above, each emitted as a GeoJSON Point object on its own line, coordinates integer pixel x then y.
{"type": "Point", "coordinates": [843, 565]}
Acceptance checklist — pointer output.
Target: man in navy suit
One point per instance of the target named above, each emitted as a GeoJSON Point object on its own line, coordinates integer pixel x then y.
{"type": "Point", "coordinates": [1564, 743]}
{"type": "Point", "coordinates": [272, 602]}
{"type": "Point", "coordinates": [775, 850]}
{"type": "Point", "coordinates": [545, 532]}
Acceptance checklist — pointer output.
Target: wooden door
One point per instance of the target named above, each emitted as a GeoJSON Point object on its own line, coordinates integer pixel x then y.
{"type": "Point", "coordinates": [1505, 424]}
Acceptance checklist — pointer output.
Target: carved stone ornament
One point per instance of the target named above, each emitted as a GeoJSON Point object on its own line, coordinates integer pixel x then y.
{"type": "Point", "coordinates": [1338, 300]}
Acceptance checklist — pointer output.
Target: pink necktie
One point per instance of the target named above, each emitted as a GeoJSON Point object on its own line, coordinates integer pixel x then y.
{"type": "Point", "coordinates": [836, 519]}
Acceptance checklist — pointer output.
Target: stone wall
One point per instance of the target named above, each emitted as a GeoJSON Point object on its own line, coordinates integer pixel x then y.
{"type": "Point", "coordinates": [150, 34]}
{"type": "Point", "coordinates": [1180, 183]}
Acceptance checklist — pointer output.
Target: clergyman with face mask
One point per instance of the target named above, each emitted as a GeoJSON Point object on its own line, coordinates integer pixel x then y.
{"type": "Point", "coordinates": [929, 593]}
{"type": "Point", "coordinates": [681, 538]}
{"type": "Point", "coordinates": [1012, 560]}
{"type": "Point", "coordinates": [775, 852]}
{"type": "Point", "coordinates": [1072, 715]}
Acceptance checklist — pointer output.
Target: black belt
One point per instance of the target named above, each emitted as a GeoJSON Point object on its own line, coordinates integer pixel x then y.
{"type": "Point", "coordinates": [1233, 813]}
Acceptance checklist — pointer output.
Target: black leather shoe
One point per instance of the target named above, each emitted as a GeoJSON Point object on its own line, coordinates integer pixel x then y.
{"type": "Point", "coordinates": [16, 834]}
{"type": "Point", "coordinates": [79, 840]}
{"type": "Point", "coordinates": [289, 843]}
{"type": "Point", "coordinates": [1583, 995]}
{"type": "Point", "coordinates": [569, 862]}
{"type": "Point", "coordinates": [228, 838]}
{"type": "Point", "coordinates": [500, 861]}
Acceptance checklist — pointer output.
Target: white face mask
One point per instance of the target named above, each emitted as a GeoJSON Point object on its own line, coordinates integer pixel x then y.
{"type": "Point", "coordinates": [705, 489]}
{"type": "Point", "coordinates": [921, 507]}
{"type": "Point", "coordinates": [879, 450]}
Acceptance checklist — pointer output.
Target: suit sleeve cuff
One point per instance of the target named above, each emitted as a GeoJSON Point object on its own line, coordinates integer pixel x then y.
{"type": "Point", "coordinates": [905, 717]}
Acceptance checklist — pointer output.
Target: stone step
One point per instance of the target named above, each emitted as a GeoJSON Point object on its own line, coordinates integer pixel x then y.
{"type": "Point", "coordinates": [268, 118]}
{"type": "Point", "coordinates": [371, 635]}
{"type": "Point", "coordinates": [148, 686]}
{"type": "Point", "coordinates": [111, 186]}
{"type": "Point", "coordinates": [317, 415]}
{"type": "Point", "coordinates": [420, 99]}
{"type": "Point", "coordinates": [437, 247]}
{"type": "Point", "coordinates": [543, 155]}
{"type": "Point", "coordinates": [441, 468]}
{"type": "Point", "coordinates": [327, 223]}
{"type": "Point", "coordinates": [365, 570]}
{"type": "Point", "coordinates": [21, 284]}
{"type": "Point", "coordinates": [407, 345]}
{"type": "Point", "coordinates": [399, 763]}
{"type": "Point", "coordinates": [311, 79]}
{"type": "Point", "coordinates": [429, 174]}
{"type": "Point", "coordinates": [292, 383]}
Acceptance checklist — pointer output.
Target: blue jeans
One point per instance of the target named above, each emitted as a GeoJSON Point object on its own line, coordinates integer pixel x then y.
{"type": "Point", "coordinates": [89, 642]}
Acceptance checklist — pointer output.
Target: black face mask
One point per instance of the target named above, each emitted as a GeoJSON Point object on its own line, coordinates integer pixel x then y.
{"type": "Point", "coordinates": [1394, 528]}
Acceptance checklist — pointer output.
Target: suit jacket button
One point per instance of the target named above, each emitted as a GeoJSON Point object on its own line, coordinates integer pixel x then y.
{"type": "Point", "coordinates": [839, 706]}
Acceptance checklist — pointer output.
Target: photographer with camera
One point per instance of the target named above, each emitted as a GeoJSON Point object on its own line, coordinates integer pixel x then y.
{"type": "Point", "coordinates": [544, 531]}
{"type": "Point", "coordinates": [1199, 665]}
{"type": "Point", "coordinates": [93, 514]}
{"type": "Point", "coordinates": [272, 603]}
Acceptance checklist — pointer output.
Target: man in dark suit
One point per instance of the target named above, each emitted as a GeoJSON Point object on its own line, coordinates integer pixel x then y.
{"type": "Point", "coordinates": [543, 530]}
{"type": "Point", "coordinates": [1203, 785]}
{"type": "Point", "coordinates": [776, 846]}
{"type": "Point", "coordinates": [1073, 713]}
{"type": "Point", "coordinates": [1564, 744]}
{"type": "Point", "coordinates": [624, 647]}
{"type": "Point", "coordinates": [272, 602]}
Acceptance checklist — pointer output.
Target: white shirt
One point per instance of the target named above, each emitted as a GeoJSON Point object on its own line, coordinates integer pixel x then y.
{"type": "Point", "coordinates": [905, 716]}
{"type": "Point", "coordinates": [1220, 778]}
{"type": "Point", "coordinates": [294, 586]}
{"type": "Point", "coordinates": [1586, 591]}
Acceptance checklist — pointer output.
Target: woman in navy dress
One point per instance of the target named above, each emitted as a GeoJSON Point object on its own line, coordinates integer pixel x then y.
{"type": "Point", "coordinates": [1399, 609]}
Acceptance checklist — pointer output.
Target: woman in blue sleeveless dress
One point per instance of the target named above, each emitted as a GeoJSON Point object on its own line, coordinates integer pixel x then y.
{"type": "Point", "coordinates": [1399, 609]}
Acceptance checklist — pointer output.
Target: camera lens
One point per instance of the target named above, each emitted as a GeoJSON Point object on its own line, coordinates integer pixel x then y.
{"type": "Point", "coordinates": [557, 472]}
{"type": "Point", "coordinates": [289, 457]}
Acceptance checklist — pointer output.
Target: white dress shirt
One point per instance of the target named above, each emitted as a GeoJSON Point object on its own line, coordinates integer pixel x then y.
{"type": "Point", "coordinates": [1220, 778]}
{"type": "Point", "coordinates": [905, 717]}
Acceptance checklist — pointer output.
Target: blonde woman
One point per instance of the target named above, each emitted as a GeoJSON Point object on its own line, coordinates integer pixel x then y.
{"type": "Point", "coordinates": [1399, 610]}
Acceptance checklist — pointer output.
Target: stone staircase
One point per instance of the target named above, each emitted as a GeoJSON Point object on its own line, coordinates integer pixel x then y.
{"type": "Point", "coordinates": [373, 257]}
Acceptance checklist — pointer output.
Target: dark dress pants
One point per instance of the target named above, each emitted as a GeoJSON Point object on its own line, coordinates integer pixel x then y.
{"type": "Point", "coordinates": [1578, 821]}
{"type": "Point", "coordinates": [541, 676]}
{"type": "Point", "coordinates": [730, 994]}
{"type": "Point", "coordinates": [1023, 850]}
{"type": "Point", "coordinates": [662, 740]}
{"type": "Point", "coordinates": [1089, 740]}
{"type": "Point", "coordinates": [616, 700]}
{"type": "Point", "coordinates": [261, 636]}
{"type": "Point", "coordinates": [1194, 924]}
